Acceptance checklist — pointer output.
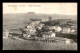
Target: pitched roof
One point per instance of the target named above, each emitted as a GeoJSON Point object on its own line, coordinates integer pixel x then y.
{"type": "Point", "coordinates": [16, 31]}
{"type": "Point", "coordinates": [35, 19]}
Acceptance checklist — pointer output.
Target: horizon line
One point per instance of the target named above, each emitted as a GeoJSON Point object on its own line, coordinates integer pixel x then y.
{"type": "Point", "coordinates": [39, 13]}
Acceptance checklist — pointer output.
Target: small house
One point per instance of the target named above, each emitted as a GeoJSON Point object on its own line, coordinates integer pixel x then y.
{"type": "Point", "coordinates": [35, 21]}
{"type": "Point", "coordinates": [68, 30]}
{"type": "Point", "coordinates": [33, 25]}
{"type": "Point", "coordinates": [26, 35]}
{"type": "Point", "coordinates": [72, 30]}
{"type": "Point", "coordinates": [51, 27]}
{"type": "Point", "coordinates": [53, 34]}
{"type": "Point", "coordinates": [15, 32]}
{"type": "Point", "coordinates": [49, 34]}
{"type": "Point", "coordinates": [29, 26]}
{"type": "Point", "coordinates": [65, 30]}
{"type": "Point", "coordinates": [44, 20]}
{"type": "Point", "coordinates": [29, 32]}
{"type": "Point", "coordinates": [56, 28]}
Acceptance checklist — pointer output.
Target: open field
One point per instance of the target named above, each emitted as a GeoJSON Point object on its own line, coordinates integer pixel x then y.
{"type": "Point", "coordinates": [21, 19]}
{"type": "Point", "coordinates": [10, 44]}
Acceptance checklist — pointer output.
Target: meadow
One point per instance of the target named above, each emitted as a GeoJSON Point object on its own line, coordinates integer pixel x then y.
{"type": "Point", "coordinates": [10, 44]}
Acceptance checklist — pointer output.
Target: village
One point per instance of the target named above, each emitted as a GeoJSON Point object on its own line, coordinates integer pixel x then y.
{"type": "Point", "coordinates": [40, 30]}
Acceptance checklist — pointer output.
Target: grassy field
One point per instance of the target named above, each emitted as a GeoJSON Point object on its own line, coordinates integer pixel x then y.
{"type": "Point", "coordinates": [10, 44]}
{"type": "Point", "coordinates": [20, 20]}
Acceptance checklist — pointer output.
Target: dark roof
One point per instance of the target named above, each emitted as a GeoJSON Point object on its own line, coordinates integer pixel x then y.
{"type": "Point", "coordinates": [35, 19]}
{"type": "Point", "coordinates": [16, 31]}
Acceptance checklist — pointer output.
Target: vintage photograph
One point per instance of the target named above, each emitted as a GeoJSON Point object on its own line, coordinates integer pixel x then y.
{"type": "Point", "coordinates": [40, 26]}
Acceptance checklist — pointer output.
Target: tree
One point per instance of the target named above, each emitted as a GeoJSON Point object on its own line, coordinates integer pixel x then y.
{"type": "Point", "coordinates": [50, 18]}
{"type": "Point", "coordinates": [55, 22]}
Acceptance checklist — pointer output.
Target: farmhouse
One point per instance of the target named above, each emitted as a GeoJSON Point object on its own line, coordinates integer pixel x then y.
{"type": "Point", "coordinates": [25, 35]}
{"type": "Point", "coordinates": [65, 30]}
{"type": "Point", "coordinates": [34, 23]}
{"type": "Point", "coordinates": [49, 34]}
{"type": "Point", "coordinates": [68, 30]}
{"type": "Point", "coordinates": [52, 34]}
{"type": "Point", "coordinates": [15, 32]}
{"type": "Point", "coordinates": [29, 32]}
{"type": "Point", "coordinates": [44, 20]}
{"type": "Point", "coordinates": [56, 28]}
{"type": "Point", "coordinates": [72, 30]}
{"type": "Point", "coordinates": [29, 27]}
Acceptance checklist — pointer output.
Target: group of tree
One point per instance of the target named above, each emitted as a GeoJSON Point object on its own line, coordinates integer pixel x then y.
{"type": "Point", "coordinates": [60, 22]}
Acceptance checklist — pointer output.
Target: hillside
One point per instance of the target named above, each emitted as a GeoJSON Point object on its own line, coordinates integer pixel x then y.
{"type": "Point", "coordinates": [21, 19]}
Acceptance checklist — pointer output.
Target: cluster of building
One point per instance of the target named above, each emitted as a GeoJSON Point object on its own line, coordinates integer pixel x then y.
{"type": "Point", "coordinates": [31, 30]}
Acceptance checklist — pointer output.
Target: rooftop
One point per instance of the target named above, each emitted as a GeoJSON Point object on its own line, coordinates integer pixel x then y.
{"type": "Point", "coordinates": [16, 31]}
{"type": "Point", "coordinates": [35, 19]}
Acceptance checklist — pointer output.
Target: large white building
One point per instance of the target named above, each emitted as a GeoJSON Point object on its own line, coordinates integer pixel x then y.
{"type": "Point", "coordinates": [56, 28]}
{"type": "Point", "coordinates": [68, 30]}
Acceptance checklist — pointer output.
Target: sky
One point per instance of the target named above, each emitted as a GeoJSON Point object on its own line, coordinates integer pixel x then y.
{"type": "Point", "coordinates": [41, 8]}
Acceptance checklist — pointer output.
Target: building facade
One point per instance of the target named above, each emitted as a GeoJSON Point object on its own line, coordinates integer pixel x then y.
{"type": "Point", "coordinates": [5, 33]}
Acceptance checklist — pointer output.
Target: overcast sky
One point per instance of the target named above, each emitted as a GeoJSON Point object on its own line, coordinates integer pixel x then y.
{"type": "Point", "coordinates": [42, 8]}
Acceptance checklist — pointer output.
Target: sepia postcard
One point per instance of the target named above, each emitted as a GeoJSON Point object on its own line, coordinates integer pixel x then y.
{"type": "Point", "coordinates": [40, 26]}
